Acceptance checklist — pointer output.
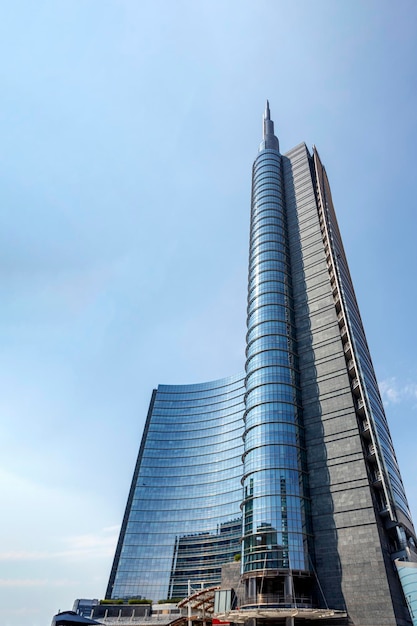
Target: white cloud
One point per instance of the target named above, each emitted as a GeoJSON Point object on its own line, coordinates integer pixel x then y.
{"type": "Point", "coordinates": [394, 391]}
{"type": "Point", "coordinates": [24, 555]}
{"type": "Point", "coordinates": [100, 544]}
{"type": "Point", "coordinates": [411, 390]}
{"type": "Point", "coordinates": [34, 582]}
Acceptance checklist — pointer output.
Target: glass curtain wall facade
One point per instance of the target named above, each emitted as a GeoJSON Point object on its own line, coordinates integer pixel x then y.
{"type": "Point", "coordinates": [183, 518]}
{"type": "Point", "coordinates": [292, 463]}
{"type": "Point", "coordinates": [275, 507]}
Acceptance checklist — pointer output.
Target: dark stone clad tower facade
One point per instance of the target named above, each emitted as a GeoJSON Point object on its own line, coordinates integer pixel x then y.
{"type": "Point", "coordinates": [360, 517]}
{"type": "Point", "coordinates": [291, 464]}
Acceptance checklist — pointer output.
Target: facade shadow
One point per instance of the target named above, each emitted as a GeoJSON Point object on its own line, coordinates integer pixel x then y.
{"type": "Point", "coordinates": [303, 230]}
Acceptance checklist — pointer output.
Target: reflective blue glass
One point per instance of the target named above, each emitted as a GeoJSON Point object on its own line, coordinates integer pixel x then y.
{"type": "Point", "coordinates": [274, 523]}
{"type": "Point", "coordinates": [184, 519]}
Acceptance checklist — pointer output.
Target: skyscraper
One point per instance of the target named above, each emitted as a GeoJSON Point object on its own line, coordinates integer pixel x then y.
{"type": "Point", "coordinates": [291, 464]}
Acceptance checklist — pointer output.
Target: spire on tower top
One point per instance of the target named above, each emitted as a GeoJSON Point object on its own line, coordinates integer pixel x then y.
{"type": "Point", "coordinates": [269, 139]}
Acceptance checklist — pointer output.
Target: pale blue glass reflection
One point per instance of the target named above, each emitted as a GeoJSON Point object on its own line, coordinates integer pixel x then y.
{"type": "Point", "coordinates": [275, 507]}
{"type": "Point", "coordinates": [184, 519]}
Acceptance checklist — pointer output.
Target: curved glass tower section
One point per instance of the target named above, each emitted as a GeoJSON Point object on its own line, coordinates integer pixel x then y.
{"type": "Point", "coordinates": [183, 518]}
{"type": "Point", "coordinates": [274, 507]}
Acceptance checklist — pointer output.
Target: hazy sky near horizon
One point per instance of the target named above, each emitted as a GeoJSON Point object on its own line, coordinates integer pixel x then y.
{"type": "Point", "coordinates": [128, 130]}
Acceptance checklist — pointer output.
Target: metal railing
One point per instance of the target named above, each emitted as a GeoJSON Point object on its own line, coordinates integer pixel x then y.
{"type": "Point", "coordinates": [278, 599]}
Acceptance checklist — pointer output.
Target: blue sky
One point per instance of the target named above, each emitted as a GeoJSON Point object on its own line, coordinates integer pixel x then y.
{"type": "Point", "coordinates": [128, 129]}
